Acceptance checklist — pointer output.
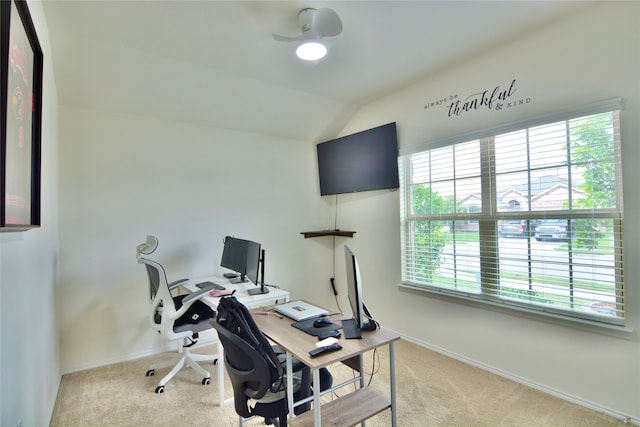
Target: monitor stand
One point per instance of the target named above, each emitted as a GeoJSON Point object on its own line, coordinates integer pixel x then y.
{"type": "Point", "coordinates": [258, 291]}
{"type": "Point", "coordinates": [262, 289]}
{"type": "Point", "coordinates": [351, 329]}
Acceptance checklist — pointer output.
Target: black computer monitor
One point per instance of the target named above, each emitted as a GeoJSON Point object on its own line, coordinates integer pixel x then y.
{"type": "Point", "coordinates": [244, 257]}
{"type": "Point", "coordinates": [354, 292]}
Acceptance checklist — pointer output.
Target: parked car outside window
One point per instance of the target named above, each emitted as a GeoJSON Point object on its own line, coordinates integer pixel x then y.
{"type": "Point", "coordinates": [515, 228]}
{"type": "Point", "coordinates": [553, 229]}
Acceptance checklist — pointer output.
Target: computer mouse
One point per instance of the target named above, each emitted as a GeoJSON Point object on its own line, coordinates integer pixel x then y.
{"type": "Point", "coordinates": [321, 323]}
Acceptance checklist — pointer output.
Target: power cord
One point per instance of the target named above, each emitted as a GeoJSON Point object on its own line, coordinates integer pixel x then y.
{"type": "Point", "coordinates": [375, 368]}
{"type": "Point", "coordinates": [333, 280]}
{"type": "Point", "coordinates": [335, 294]}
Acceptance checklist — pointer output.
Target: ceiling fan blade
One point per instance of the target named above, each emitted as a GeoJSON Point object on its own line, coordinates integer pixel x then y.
{"type": "Point", "coordinates": [286, 38]}
{"type": "Point", "coordinates": [326, 23]}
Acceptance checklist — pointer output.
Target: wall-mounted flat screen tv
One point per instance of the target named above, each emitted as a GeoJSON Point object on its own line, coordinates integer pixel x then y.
{"type": "Point", "coordinates": [362, 161]}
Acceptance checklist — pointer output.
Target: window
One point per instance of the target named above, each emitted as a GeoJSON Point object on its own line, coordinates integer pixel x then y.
{"type": "Point", "coordinates": [530, 217]}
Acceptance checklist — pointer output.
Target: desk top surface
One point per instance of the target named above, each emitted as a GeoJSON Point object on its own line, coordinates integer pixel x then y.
{"type": "Point", "coordinates": [242, 292]}
{"type": "Point", "coordinates": [278, 328]}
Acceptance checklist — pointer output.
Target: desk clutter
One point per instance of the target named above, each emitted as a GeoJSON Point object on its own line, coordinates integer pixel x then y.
{"type": "Point", "coordinates": [324, 349]}
{"type": "Point", "coordinates": [210, 286]}
{"type": "Point", "coordinates": [308, 327]}
{"type": "Point", "coordinates": [221, 293]}
{"type": "Point", "coordinates": [300, 310]}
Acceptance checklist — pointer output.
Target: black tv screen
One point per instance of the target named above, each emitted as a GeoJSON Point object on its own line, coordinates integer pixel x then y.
{"type": "Point", "coordinates": [363, 161]}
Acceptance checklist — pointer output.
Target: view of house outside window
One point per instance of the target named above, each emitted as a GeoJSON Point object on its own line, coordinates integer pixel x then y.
{"type": "Point", "coordinates": [530, 219]}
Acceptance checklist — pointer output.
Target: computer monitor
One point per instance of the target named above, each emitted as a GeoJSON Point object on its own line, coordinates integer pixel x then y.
{"type": "Point", "coordinates": [241, 256]}
{"type": "Point", "coordinates": [354, 292]}
{"type": "Point", "coordinates": [244, 257]}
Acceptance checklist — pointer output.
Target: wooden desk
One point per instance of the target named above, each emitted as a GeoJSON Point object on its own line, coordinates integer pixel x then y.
{"type": "Point", "coordinates": [350, 409]}
{"type": "Point", "coordinates": [274, 296]}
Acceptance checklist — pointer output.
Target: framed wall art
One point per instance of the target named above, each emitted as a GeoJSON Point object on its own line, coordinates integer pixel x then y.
{"type": "Point", "coordinates": [21, 118]}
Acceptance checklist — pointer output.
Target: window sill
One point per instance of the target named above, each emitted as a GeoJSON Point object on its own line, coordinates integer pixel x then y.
{"type": "Point", "coordinates": [504, 307]}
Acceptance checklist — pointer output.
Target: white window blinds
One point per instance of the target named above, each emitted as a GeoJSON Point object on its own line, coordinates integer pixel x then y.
{"type": "Point", "coordinates": [529, 217]}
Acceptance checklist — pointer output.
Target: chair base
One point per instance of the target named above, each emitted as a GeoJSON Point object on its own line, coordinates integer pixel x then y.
{"type": "Point", "coordinates": [183, 358]}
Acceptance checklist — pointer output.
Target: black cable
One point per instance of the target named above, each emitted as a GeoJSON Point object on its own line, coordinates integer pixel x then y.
{"type": "Point", "coordinates": [335, 219]}
{"type": "Point", "coordinates": [374, 370]}
{"type": "Point", "coordinates": [334, 258]}
{"type": "Point", "coordinates": [337, 302]}
{"type": "Point", "coordinates": [370, 319]}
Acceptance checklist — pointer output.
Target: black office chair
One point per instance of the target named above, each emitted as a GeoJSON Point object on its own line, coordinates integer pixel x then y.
{"type": "Point", "coordinates": [256, 373]}
{"type": "Point", "coordinates": [176, 317]}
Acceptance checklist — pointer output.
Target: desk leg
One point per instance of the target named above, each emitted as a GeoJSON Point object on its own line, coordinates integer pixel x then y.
{"type": "Point", "coordinates": [290, 385]}
{"type": "Point", "coordinates": [317, 421]}
{"type": "Point", "coordinates": [392, 378]}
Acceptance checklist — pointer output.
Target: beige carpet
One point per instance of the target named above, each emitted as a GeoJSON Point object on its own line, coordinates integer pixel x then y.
{"type": "Point", "coordinates": [433, 390]}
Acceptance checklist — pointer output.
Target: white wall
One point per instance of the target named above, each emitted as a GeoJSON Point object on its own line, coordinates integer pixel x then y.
{"type": "Point", "coordinates": [590, 57]}
{"type": "Point", "coordinates": [123, 177]}
{"type": "Point", "coordinates": [29, 363]}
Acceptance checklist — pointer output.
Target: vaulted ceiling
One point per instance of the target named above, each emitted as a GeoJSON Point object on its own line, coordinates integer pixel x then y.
{"type": "Point", "coordinates": [215, 63]}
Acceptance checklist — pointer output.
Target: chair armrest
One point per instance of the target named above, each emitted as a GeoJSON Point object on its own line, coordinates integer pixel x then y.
{"type": "Point", "coordinates": [177, 283]}
{"type": "Point", "coordinates": [196, 295]}
{"type": "Point", "coordinates": [190, 299]}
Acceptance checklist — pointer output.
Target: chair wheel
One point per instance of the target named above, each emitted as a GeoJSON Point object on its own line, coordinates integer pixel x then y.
{"type": "Point", "coordinates": [206, 381]}
{"type": "Point", "coordinates": [151, 372]}
{"type": "Point", "coordinates": [160, 389]}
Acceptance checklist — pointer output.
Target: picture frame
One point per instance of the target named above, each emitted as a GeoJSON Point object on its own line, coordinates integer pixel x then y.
{"type": "Point", "coordinates": [21, 118]}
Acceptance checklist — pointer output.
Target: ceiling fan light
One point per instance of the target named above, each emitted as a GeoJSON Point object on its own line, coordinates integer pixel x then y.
{"type": "Point", "coordinates": [311, 51]}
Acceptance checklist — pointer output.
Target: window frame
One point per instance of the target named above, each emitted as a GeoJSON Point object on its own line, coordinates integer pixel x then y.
{"type": "Point", "coordinates": [490, 216]}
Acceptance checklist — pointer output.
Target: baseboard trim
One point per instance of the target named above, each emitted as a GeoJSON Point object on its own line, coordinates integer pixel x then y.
{"type": "Point", "coordinates": [52, 405]}
{"type": "Point", "coordinates": [168, 347]}
{"type": "Point", "coordinates": [524, 381]}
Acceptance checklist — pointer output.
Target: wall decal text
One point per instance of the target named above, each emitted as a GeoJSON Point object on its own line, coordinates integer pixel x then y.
{"type": "Point", "coordinates": [496, 99]}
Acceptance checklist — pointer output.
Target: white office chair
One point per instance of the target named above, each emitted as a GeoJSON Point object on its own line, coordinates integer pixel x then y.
{"type": "Point", "coordinates": [177, 318]}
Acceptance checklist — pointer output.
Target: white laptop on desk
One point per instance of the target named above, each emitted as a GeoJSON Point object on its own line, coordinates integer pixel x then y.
{"type": "Point", "coordinates": [300, 310]}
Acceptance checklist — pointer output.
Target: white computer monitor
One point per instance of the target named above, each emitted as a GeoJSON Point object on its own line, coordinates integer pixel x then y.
{"type": "Point", "coordinates": [354, 288]}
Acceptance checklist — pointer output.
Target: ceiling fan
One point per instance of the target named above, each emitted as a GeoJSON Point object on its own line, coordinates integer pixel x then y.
{"type": "Point", "coordinates": [315, 24]}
